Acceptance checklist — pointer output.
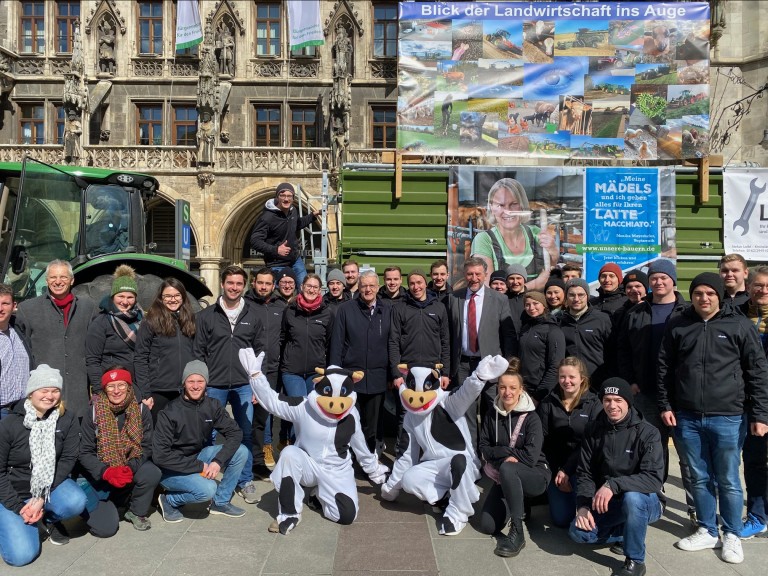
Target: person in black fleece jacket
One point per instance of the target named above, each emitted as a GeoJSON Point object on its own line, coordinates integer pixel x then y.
{"type": "Point", "coordinates": [619, 478]}
{"type": "Point", "coordinates": [541, 347]}
{"type": "Point", "coordinates": [183, 449]}
{"type": "Point", "coordinates": [564, 415]}
{"type": "Point", "coordinates": [510, 443]}
{"type": "Point", "coordinates": [274, 234]}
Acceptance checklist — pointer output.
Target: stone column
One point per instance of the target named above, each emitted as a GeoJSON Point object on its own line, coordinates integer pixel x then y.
{"type": "Point", "coordinates": [209, 272]}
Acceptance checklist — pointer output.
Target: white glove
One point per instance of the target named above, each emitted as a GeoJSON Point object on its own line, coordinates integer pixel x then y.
{"type": "Point", "coordinates": [379, 476]}
{"type": "Point", "coordinates": [491, 367]}
{"type": "Point", "coordinates": [389, 494]}
{"type": "Point", "coordinates": [250, 361]}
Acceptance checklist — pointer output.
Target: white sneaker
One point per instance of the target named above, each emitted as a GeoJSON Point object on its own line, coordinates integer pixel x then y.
{"type": "Point", "coordinates": [732, 552]}
{"type": "Point", "coordinates": [699, 540]}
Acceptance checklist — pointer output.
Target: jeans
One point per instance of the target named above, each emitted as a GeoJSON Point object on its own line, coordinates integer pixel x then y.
{"type": "Point", "coordinates": [626, 521]}
{"type": "Point", "coordinates": [182, 489]}
{"type": "Point", "coordinates": [712, 446]}
{"type": "Point", "coordinates": [756, 475]}
{"type": "Point", "coordinates": [20, 542]}
{"type": "Point", "coordinates": [242, 410]}
{"type": "Point", "coordinates": [562, 505]}
{"type": "Point", "coordinates": [298, 268]}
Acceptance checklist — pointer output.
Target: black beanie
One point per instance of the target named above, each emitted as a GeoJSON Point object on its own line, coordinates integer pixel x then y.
{"type": "Point", "coordinates": [555, 282]}
{"type": "Point", "coordinates": [498, 275]}
{"type": "Point", "coordinates": [619, 387]}
{"type": "Point", "coordinates": [712, 280]}
{"type": "Point", "coordinates": [635, 276]}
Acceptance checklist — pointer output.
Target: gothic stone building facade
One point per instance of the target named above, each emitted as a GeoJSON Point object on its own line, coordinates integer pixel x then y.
{"type": "Point", "coordinates": [98, 82]}
{"type": "Point", "coordinates": [220, 125]}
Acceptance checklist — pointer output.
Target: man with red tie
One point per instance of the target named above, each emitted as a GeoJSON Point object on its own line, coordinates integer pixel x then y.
{"type": "Point", "coordinates": [480, 325]}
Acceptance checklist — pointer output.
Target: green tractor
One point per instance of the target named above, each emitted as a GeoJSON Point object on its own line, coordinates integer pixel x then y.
{"type": "Point", "coordinates": [91, 217]}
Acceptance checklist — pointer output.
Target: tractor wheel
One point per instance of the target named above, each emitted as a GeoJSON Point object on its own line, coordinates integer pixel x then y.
{"type": "Point", "coordinates": [148, 285]}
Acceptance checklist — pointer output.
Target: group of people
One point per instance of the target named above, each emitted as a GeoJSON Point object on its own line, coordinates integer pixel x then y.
{"type": "Point", "coordinates": [556, 392]}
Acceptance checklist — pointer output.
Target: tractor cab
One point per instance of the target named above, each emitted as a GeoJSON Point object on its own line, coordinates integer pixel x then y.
{"type": "Point", "coordinates": [92, 218]}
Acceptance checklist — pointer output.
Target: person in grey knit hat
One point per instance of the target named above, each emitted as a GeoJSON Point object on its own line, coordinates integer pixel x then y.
{"type": "Point", "coordinates": [44, 377]}
{"type": "Point", "coordinates": [580, 282]}
{"type": "Point", "coordinates": [194, 367]}
{"type": "Point", "coordinates": [336, 283]}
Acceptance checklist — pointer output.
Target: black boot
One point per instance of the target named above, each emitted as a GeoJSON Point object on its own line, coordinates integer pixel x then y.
{"type": "Point", "coordinates": [630, 568]}
{"type": "Point", "coordinates": [509, 546]}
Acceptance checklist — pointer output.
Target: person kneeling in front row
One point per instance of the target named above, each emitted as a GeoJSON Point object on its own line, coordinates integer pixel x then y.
{"type": "Point", "coordinates": [115, 451]}
{"type": "Point", "coordinates": [181, 448]}
{"type": "Point", "coordinates": [619, 478]}
{"type": "Point", "coordinates": [39, 442]}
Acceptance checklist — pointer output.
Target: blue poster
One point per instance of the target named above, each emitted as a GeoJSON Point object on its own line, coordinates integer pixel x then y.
{"type": "Point", "coordinates": [622, 220]}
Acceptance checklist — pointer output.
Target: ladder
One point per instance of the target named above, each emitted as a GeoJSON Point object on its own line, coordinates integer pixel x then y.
{"type": "Point", "coordinates": [315, 243]}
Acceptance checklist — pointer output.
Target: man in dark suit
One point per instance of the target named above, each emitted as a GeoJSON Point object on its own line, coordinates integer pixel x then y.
{"type": "Point", "coordinates": [480, 324]}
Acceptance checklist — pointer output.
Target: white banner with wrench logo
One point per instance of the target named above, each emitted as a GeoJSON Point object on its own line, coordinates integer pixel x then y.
{"type": "Point", "coordinates": [745, 212]}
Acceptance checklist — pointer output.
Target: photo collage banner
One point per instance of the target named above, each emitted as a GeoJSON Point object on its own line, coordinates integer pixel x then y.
{"type": "Point", "coordinates": [591, 80]}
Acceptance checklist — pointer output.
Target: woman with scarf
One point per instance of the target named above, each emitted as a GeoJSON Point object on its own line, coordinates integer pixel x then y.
{"type": "Point", "coordinates": [304, 339]}
{"type": "Point", "coordinates": [510, 444]}
{"type": "Point", "coordinates": [111, 337]}
{"type": "Point", "coordinates": [115, 457]}
{"type": "Point", "coordinates": [164, 346]}
{"type": "Point", "coordinates": [564, 415]}
{"type": "Point", "coordinates": [39, 442]}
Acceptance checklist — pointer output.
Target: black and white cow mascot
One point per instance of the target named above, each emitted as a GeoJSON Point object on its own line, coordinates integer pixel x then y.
{"type": "Point", "coordinates": [436, 426]}
{"type": "Point", "coordinates": [326, 424]}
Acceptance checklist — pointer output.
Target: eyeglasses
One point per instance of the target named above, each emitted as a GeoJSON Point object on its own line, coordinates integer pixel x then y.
{"type": "Point", "coordinates": [113, 387]}
{"type": "Point", "coordinates": [311, 287]}
{"type": "Point", "coordinates": [170, 297]}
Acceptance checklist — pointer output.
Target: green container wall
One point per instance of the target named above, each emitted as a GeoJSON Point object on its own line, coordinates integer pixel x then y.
{"type": "Point", "coordinates": [373, 220]}
{"type": "Point", "coordinates": [699, 228]}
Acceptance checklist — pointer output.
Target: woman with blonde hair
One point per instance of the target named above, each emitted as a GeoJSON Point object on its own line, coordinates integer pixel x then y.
{"type": "Point", "coordinates": [564, 414]}
{"type": "Point", "coordinates": [510, 444]}
{"type": "Point", "coordinates": [511, 240]}
{"type": "Point", "coordinates": [39, 443]}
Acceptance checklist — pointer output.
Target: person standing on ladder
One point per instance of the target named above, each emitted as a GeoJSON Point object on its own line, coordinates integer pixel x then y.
{"type": "Point", "coordinates": [275, 232]}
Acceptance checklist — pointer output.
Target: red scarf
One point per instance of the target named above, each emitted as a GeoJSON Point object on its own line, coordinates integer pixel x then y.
{"type": "Point", "coordinates": [65, 305]}
{"type": "Point", "coordinates": [307, 306]}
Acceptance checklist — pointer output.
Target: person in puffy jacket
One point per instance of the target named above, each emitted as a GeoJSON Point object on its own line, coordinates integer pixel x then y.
{"type": "Point", "coordinates": [510, 444]}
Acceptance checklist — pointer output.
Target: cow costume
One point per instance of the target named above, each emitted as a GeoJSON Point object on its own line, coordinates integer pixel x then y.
{"type": "Point", "coordinates": [327, 424]}
{"type": "Point", "coordinates": [436, 426]}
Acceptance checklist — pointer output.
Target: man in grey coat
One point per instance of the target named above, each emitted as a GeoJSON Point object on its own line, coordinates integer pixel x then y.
{"type": "Point", "coordinates": [55, 325]}
{"type": "Point", "coordinates": [480, 324]}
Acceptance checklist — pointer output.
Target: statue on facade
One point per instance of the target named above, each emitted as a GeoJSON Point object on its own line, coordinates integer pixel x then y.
{"type": "Point", "coordinates": [339, 142]}
{"type": "Point", "coordinates": [208, 79]}
{"type": "Point", "coordinates": [72, 133]}
{"type": "Point", "coordinates": [107, 40]}
{"type": "Point", "coordinates": [343, 49]}
{"type": "Point", "coordinates": [206, 140]}
{"type": "Point", "coordinates": [225, 48]}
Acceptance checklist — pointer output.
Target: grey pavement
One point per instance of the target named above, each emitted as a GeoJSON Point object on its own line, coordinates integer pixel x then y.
{"type": "Point", "coordinates": [391, 539]}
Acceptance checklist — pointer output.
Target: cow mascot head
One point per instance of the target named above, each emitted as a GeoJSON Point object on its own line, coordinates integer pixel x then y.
{"type": "Point", "coordinates": [334, 393]}
{"type": "Point", "coordinates": [420, 391]}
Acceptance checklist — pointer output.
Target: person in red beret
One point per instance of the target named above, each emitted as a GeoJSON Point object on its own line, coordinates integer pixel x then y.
{"type": "Point", "coordinates": [115, 452]}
